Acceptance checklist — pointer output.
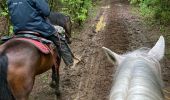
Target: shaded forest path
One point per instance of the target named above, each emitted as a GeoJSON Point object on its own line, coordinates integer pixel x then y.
{"type": "Point", "coordinates": [114, 26]}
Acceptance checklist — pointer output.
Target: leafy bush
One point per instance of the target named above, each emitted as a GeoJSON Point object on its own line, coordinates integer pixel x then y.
{"type": "Point", "coordinates": [158, 10]}
{"type": "Point", "coordinates": [4, 13]}
{"type": "Point", "coordinates": [134, 2]}
{"type": "Point", "coordinates": [77, 9]}
{"type": "Point", "coordinates": [165, 17]}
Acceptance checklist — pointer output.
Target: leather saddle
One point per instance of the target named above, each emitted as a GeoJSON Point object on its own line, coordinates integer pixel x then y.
{"type": "Point", "coordinates": [42, 44]}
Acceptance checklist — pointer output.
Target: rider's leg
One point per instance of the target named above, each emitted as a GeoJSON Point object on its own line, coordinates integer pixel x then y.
{"type": "Point", "coordinates": [63, 49]}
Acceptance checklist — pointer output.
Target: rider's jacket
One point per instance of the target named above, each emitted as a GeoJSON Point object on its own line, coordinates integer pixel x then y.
{"type": "Point", "coordinates": [30, 15]}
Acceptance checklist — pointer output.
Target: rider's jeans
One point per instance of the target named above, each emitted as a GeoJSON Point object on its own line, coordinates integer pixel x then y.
{"type": "Point", "coordinates": [63, 49]}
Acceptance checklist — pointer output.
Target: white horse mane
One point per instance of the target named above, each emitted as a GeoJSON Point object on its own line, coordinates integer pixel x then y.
{"type": "Point", "coordinates": [139, 52]}
{"type": "Point", "coordinates": [131, 81]}
{"type": "Point", "coordinates": [143, 53]}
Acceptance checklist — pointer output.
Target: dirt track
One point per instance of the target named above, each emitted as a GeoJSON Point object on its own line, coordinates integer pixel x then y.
{"type": "Point", "coordinates": [90, 79]}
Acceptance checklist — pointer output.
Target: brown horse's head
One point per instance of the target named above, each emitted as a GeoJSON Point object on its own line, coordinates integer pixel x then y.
{"type": "Point", "coordinates": [68, 26]}
{"type": "Point", "coordinates": [62, 20]}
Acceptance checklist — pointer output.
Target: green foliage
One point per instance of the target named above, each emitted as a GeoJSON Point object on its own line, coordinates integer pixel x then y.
{"type": "Point", "coordinates": [55, 5]}
{"type": "Point", "coordinates": [3, 8]}
{"type": "Point", "coordinates": [134, 2]}
{"type": "Point", "coordinates": [77, 9]}
{"type": "Point", "coordinates": [10, 30]}
{"type": "Point", "coordinates": [158, 10]}
{"type": "Point", "coordinates": [165, 16]}
{"type": "Point", "coordinates": [4, 13]}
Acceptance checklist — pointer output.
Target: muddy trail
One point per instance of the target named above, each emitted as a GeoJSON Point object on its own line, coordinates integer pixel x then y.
{"type": "Point", "coordinates": [114, 26]}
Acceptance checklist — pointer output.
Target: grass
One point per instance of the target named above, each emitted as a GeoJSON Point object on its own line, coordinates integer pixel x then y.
{"type": "Point", "coordinates": [152, 23]}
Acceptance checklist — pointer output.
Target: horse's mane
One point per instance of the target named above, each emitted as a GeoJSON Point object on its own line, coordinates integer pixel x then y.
{"type": "Point", "coordinates": [143, 53]}
{"type": "Point", "coordinates": [139, 52]}
{"type": "Point", "coordinates": [147, 68]}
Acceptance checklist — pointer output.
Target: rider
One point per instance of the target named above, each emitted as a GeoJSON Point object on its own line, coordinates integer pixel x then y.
{"type": "Point", "coordinates": [31, 16]}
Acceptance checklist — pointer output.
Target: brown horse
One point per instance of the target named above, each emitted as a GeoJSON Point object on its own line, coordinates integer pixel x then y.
{"type": "Point", "coordinates": [20, 62]}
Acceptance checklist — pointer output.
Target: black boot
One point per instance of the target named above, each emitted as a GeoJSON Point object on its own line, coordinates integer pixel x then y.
{"type": "Point", "coordinates": [63, 49]}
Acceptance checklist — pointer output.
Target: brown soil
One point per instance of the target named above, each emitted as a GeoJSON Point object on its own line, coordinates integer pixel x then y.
{"type": "Point", "coordinates": [91, 78]}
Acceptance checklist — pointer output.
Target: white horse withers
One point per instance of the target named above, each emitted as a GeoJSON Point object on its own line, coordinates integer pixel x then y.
{"type": "Point", "coordinates": [138, 73]}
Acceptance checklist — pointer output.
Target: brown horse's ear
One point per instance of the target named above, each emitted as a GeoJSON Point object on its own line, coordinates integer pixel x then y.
{"type": "Point", "coordinates": [112, 56]}
{"type": "Point", "coordinates": [158, 50]}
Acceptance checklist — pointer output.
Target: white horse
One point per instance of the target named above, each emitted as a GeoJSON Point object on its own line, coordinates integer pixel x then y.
{"type": "Point", "coordinates": [138, 75]}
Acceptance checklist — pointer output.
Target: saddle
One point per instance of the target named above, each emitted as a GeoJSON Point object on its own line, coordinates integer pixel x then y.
{"type": "Point", "coordinates": [42, 44]}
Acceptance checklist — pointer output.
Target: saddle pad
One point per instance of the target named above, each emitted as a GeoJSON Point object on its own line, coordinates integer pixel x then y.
{"type": "Point", "coordinates": [42, 47]}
